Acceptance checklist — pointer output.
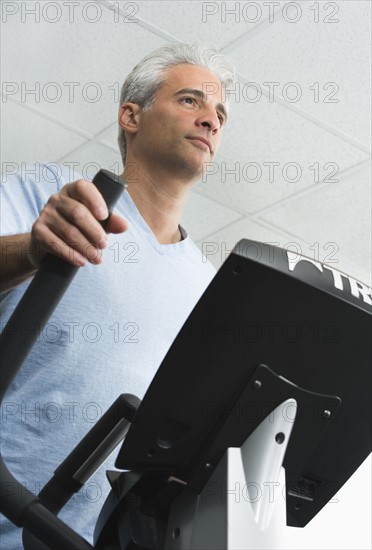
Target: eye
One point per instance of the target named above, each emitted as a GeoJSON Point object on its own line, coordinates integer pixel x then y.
{"type": "Point", "coordinates": [221, 119]}
{"type": "Point", "coordinates": [189, 99]}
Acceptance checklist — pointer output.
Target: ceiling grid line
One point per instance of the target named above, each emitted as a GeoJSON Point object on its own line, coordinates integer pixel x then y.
{"type": "Point", "coordinates": [312, 188]}
{"type": "Point", "coordinates": [51, 118]}
{"type": "Point", "coordinates": [108, 4]}
{"type": "Point", "coordinates": [251, 34]}
{"type": "Point", "coordinates": [311, 118]}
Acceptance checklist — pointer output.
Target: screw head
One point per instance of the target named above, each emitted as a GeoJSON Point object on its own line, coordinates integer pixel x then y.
{"type": "Point", "coordinates": [257, 384]}
{"type": "Point", "coordinates": [326, 414]}
{"type": "Point", "coordinates": [176, 533]}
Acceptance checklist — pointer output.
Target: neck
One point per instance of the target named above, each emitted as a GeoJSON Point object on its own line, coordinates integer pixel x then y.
{"type": "Point", "coordinates": [160, 199]}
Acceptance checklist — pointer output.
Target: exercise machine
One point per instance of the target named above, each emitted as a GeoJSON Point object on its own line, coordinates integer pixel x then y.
{"type": "Point", "coordinates": [258, 414]}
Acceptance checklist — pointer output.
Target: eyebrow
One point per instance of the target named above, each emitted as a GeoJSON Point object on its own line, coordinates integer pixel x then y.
{"type": "Point", "coordinates": [201, 95]}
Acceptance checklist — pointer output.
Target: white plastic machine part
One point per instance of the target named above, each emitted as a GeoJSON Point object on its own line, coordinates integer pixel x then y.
{"type": "Point", "coordinates": [257, 512]}
{"type": "Point", "coordinates": [243, 504]}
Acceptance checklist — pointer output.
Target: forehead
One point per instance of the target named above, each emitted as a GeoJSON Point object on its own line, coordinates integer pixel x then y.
{"type": "Point", "coordinates": [193, 77]}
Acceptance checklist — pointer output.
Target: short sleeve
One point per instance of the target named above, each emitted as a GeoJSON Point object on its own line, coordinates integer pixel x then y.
{"type": "Point", "coordinates": [23, 195]}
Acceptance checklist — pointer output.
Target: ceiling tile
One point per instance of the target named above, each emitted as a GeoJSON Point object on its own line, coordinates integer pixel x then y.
{"type": "Point", "coordinates": [218, 245]}
{"type": "Point", "coordinates": [269, 153]}
{"type": "Point", "coordinates": [27, 137]}
{"type": "Point", "coordinates": [90, 158]}
{"type": "Point", "coordinates": [109, 137]}
{"type": "Point", "coordinates": [328, 63]}
{"type": "Point", "coordinates": [338, 217]}
{"type": "Point", "coordinates": [203, 216]}
{"type": "Point", "coordinates": [214, 23]}
{"type": "Point", "coordinates": [75, 68]}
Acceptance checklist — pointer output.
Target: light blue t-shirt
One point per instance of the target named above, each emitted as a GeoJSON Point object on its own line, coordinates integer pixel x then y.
{"type": "Point", "coordinates": [107, 336]}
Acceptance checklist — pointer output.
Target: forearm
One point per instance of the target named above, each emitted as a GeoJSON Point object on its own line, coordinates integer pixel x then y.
{"type": "Point", "coordinates": [15, 264]}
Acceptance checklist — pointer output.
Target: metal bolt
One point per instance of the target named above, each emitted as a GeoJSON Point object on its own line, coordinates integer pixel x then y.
{"type": "Point", "coordinates": [176, 533]}
{"type": "Point", "coordinates": [257, 384]}
{"type": "Point", "coordinates": [279, 438]}
{"type": "Point", "coordinates": [326, 414]}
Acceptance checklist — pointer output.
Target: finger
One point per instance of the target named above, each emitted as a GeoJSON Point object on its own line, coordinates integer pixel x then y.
{"type": "Point", "coordinates": [51, 224]}
{"type": "Point", "coordinates": [116, 224]}
{"type": "Point", "coordinates": [87, 193]}
{"type": "Point", "coordinates": [54, 245]}
{"type": "Point", "coordinates": [62, 209]}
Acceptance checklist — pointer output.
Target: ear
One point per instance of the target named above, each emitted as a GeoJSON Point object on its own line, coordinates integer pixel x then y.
{"type": "Point", "coordinates": [129, 117]}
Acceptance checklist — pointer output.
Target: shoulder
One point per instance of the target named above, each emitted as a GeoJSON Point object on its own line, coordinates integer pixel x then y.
{"type": "Point", "coordinates": [24, 190]}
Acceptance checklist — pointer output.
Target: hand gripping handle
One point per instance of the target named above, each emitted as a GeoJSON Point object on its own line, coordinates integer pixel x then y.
{"type": "Point", "coordinates": [44, 293]}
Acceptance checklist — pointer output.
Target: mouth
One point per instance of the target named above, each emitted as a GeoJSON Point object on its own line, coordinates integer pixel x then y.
{"type": "Point", "coordinates": [202, 141]}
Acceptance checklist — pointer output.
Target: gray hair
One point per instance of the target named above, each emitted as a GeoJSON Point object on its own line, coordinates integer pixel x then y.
{"type": "Point", "coordinates": [148, 75]}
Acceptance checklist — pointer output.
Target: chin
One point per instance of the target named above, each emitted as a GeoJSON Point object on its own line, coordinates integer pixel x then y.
{"type": "Point", "coordinates": [196, 171]}
{"type": "Point", "coordinates": [191, 167]}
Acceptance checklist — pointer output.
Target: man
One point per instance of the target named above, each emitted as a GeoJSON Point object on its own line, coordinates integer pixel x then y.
{"type": "Point", "coordinates": [116, 322]}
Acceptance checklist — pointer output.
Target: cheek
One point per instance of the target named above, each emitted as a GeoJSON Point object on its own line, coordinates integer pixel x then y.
{"type": "Point", "coordinates": [170, 123]}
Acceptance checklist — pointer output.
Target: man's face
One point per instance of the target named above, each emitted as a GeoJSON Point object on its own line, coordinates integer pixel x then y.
{"type": "Point", "coordinates": [182, 129]}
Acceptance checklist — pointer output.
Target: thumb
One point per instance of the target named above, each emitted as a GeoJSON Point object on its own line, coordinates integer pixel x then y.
{"type": "Point", "coordinates": [116, 224]}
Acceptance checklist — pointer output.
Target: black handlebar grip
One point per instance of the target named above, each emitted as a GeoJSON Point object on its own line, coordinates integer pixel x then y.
{"type": "Point", "coordinates": [43, 294]}
{"type": "Point", "coordinates": [110, 186]}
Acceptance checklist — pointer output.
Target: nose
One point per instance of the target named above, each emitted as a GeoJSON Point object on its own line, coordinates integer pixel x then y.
{"type": "Point", "coordinates": [209, 119]}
